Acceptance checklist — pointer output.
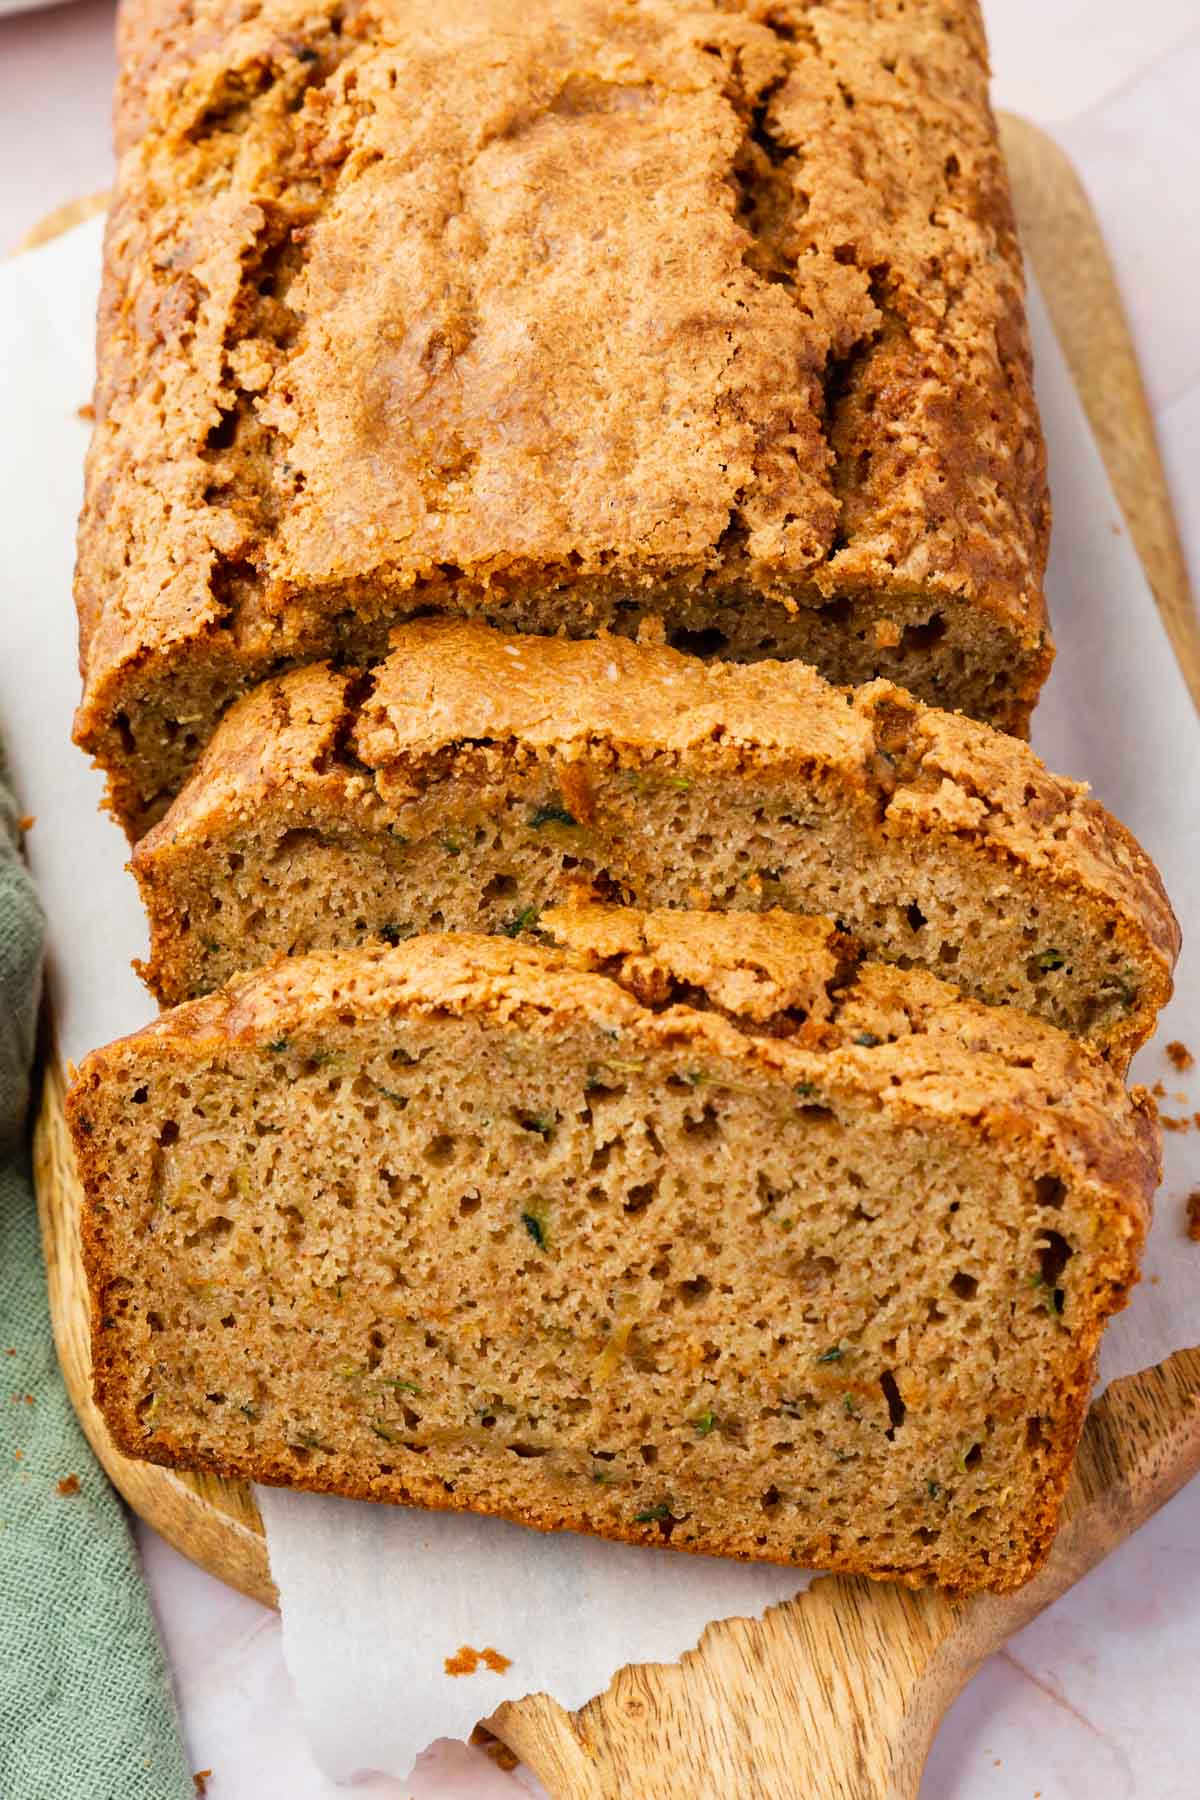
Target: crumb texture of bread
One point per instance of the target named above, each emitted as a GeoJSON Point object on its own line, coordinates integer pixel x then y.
{"type": "Point", "coordinates": [475, 777]}
{"type": "Point", "coordinates": [568, 313]}
{"type": "Point", "coordinates": [688, 1230]}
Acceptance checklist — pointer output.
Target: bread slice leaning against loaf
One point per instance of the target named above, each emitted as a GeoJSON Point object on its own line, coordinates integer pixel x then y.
{"type": "Point", "coordinates": [691, 1229]}
{"type": "Point", "coordinates": [476, 777]}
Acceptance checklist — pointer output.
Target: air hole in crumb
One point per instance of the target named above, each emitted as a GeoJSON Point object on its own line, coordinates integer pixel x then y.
{"type": "Point", "coordinates": [770, 1500]}
{"type": "Point", "coordinates": [527, 1450]}
{"type": "Point", "coordinates": [169, 1133]}
{"type": "Point", "coordinates": [965, 1286]}
{"type": "Point", "coordinates": [706, 1126]}
{"type": "Point", "coordinates": [640, 1196]}
{"type": "Point", "coordinates": [649, 1454]}
{"type": "Point", "coordinates": [212, 1231]}
{"type": "Point", "coordinates": [1035, 1437]}
{"type": "Point", "coordinates": [470, 1203]}
{"type": "Point", "coordinates": [1053, 1257]}
{"type": "Point", "coordinates": [500, 887]}
{"type": "Point", "coordinates": [710, 642]}
{"type": "Point", "coordinates": [140, 1096]}
{"type": "Point", "coordinates": [439, 1150]}
{"type": "Point", "coordinates": [915, 916]}
{"type": "Point", "coordinates": [974, 1457]}
{"type": "Point", "coordinates": [895, 1405]}
{"type": "Point", "coordinates": [692, 1292]}
{"type": "Point", "coordinates": [1048, 1190]}
{"type": "Point", "coordinates": [922, 637]}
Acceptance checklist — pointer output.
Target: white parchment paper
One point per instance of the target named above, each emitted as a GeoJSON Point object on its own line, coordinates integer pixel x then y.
{"type": "Point", "coordinates": [374, 1598]}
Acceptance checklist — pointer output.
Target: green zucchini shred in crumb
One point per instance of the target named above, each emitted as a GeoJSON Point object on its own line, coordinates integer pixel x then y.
{"type": "Point", "coordinates": [680, 783]}
{"type": "Point", "coordinates": [535, 1228]}
{"type": "Point", "coordinates": [551, 815]}
{"type": "Point", "coordinates": [542, 1123]}
{"type": "Point", "coordinates": [248, 1411]}
{"type": "Point", "coordinates": [788, 1224]}
{"type": "Point", "coordinates": [867, 1039]}
{"type": "Point", "coordinates": [382, 1431]}
{"type": "Point", "coordinates": [451, 848]}
{"type": "Point", "coordinates": [525, 920]}
{"type": "Point", "coordinates": [279, 1046]}
{"type": "Point", "coordinates": [850, 1405]}
{"type": "Point", "coordinates": [1049, 960]}
{"type": "Point", "coordinates": [400, 1100]}
{"type": "Point", "coordinates": [804, 1090]}
{"type": "Point", "coordinates": [308, 1440]}
{"type": "Point", "coordinates": [694, 1077]}
{"type": "Point", "coordinates": [402, 1387]}
{"type": "Point", "coordinates": [654, 1515]}
{"type": "Point", "coordinates": [704, 1422]}
{"type": "Point", "coordinates": [396, 934]}
{"type": "Point", "coordinates": [834, 1354]}
{"type": "Point", "coordinates": [933, 1489]}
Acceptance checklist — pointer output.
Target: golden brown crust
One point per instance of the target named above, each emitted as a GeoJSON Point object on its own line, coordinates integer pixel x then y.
{"type": "Point", "coordinates": [319, 739]}
{"type": "Point", "coordinates": [907, 1041]}
{"type": "Point", "coordinates": [685, 312]}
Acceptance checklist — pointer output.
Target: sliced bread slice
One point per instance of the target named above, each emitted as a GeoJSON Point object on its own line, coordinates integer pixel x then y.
{"type": "Point", "coordinates": [692, 1229]}
{"type": "Point", "coordinates": [476, 777]}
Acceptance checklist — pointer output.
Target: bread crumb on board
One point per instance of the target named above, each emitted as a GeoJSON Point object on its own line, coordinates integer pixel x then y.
{"type": "Point", "coordinates": [26, 822]}
{"type": "Point", "coordinates": [466, 1661]}
{"type": "Point", "coordinates": [1180, 1055]}
{"type": "Point", "coordinates": [68, 1485]}
{"type": "Point", "coordinates": [1192, 1210]}
{"type": "Point", "coordinates": [200, 1781]}
{"type": "Point", "coordinates": [86, 412]}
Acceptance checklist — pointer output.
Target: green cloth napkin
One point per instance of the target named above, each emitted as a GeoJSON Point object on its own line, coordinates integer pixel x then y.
{"type": "Point", "coordinates": [86, 1708]}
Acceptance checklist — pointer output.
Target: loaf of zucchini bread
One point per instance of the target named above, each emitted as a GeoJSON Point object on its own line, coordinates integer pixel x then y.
{"type": "Point", "coordinates": [566, 313]}
{"type": "Point", "coordinates": [475, 777]}
{"type": "Point", "coordinates": [687, 1229]}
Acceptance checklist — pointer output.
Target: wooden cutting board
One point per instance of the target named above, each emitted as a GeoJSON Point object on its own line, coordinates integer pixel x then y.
{"type": "Point", "coordinates": [835, 1695]}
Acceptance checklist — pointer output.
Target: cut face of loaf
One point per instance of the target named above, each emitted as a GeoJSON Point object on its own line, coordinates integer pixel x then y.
{"type": "Point", "coordinates": [562, 313]}
{"type": "Point", "coordinates": [691, 1231]}
{"type": "Point", "coordinates": [476, 777]}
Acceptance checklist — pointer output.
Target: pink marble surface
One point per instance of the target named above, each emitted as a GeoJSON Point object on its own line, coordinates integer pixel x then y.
{"type": "Point", "coordinates": [1095, 1700]}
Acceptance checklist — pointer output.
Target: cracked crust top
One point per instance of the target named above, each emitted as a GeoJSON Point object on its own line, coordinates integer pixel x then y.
{"type": "Point", "coordinates": [409, 306]}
